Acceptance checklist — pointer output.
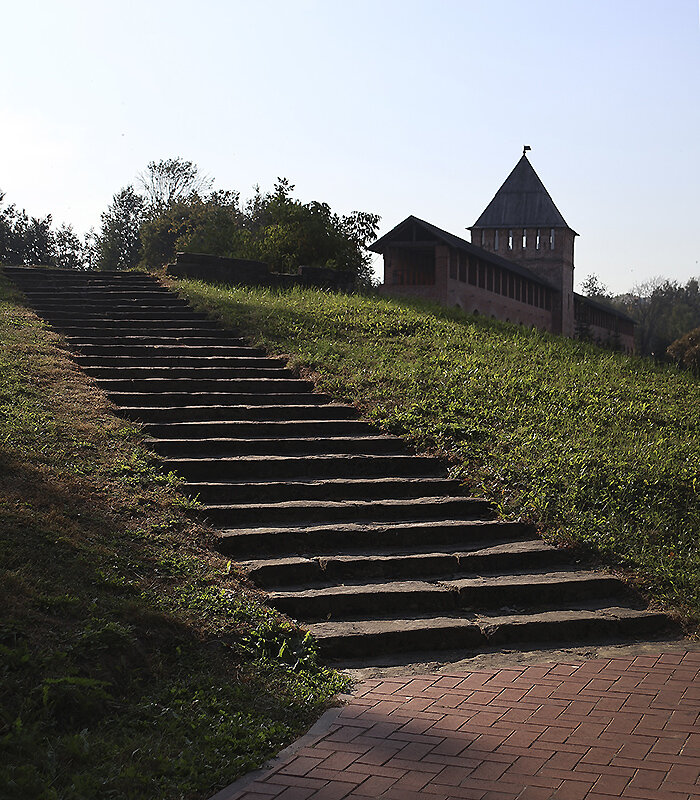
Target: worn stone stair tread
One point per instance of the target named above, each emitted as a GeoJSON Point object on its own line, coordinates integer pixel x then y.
{"type": "Point", "coordinates": [185, 399]}
{"type": "Point", "coordinates": [397, 554]}
{"type": "Point", "coordinates": [426, 562]}
{"type": "Point", "coordinates": [124, 363]}
{"type": "Point", "coordinates": [384, 586]}
{"type": "Point", "coordinates": [289, 444]}
{"type": "Point", "coordinates": [196, 413]}
{"type": "Point", "coordinates": [189, 372]}
{"type": "Point", "coordinates": [438, 503]}
{"type": "Point", "coordinates": [474, 526]}
{"type": "Point", "coordinates": [266, 429]}
{"type": "Point", "coordinates": [337, 636]}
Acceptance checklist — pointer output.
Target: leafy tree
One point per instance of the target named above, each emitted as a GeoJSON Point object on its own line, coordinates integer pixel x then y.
{"type": "Point", "coordinates": [24, 239]}
{"type": "Point", "coordinates": [592, 286]}
{"type": "Point", "coordinates": [119, 241]}
{"type": "Point", "coordinates": [170, 181]}
{"type": "Point", "coordinates": [685, 351]}
{"type": "Point", "coordinates": [68, 250]}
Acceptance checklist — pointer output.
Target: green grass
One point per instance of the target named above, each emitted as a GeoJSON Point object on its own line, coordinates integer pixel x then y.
{"type": "Point", "coordinates": [134, 663]}
{"type": "Point", "coordinates": [595, 447]}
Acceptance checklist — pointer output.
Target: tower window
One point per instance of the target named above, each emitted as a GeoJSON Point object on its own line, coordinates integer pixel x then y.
{"type": "Point", "coordinates": [483, 237]}
{"type": "Point", "coordinates": [495, 240]}
{"type": "Point", "coordinates": [551, 238]}
{"type": "Point", "coordinates": [510, 240]}
{"type": "Point", "coordinates": [537, 244]}
{"type": "Point", "coordinates": [524, 238]}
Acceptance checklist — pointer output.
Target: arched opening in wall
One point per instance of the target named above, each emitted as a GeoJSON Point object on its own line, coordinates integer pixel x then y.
{"type": "Point", "coordinates": [493, 316]}
{"type": "Point", "coordinates": [507, 319]}
{"type": "Point", "coordinates": [476, 312]}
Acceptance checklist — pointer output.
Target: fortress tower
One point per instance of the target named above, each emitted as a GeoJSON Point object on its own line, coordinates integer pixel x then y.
{"type": "Point", "coordinates": [522, 225]}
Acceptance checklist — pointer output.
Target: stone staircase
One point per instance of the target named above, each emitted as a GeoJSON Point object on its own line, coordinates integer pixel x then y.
{"type": "Point", "coordinates": [372, 548]}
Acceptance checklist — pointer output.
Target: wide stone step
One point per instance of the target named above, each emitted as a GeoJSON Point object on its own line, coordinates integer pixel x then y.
{"type": "Point", "coordinates": [308, 512]}
{"type": "Point", "coordinates": [97, 298]}
{"type": "Point", "coordinates": [377, 564]}
{"type": "Point", "coordinates": [173, 339]}
{"type": "Point", "coordinates": [162, 328]}
{"type": "Point", "coordinates": [173, 414]}
{"type": "Point", "coordinates": [181, 400]}
{"type": "Point", "coordinates": [263, 429]}
{"type": "Point", "coordinates": [194, 386]}
{"type": "Point", "coordinates": [514, 593]}
{"type": "Point", "coordinates": [478, 633]}
{"type": "Point", "coordinates": [301, 446]}
{"type": "Point", "coordinates": [157, 359]}
{"type": "Point", "coordinates": [125, 317]}
{"type": "Point", "coordinates": [135, 353]}
{"type": "Point", "coordinates": [262, 491]}
{"type": "Point", "coordinates": [201, 375]}
{"type": "Point", "coordinates": [328, 540]}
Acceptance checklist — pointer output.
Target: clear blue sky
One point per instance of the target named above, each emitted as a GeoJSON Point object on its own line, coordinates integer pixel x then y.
{"type": "Point", "coordinates": [395, 107]}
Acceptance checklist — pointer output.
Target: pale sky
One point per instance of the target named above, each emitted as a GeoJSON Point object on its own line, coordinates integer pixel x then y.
{"type": "Point", "coordinates": [393, 106]}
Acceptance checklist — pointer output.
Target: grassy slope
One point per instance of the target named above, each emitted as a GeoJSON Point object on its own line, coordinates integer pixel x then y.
{"type": "Point", "coordinates": [133, 664]}
{"type": "Point", "coordinates": [596, 447]}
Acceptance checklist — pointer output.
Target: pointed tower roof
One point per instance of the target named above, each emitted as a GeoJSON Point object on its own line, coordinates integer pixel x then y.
{"type": "Point", "coordinates": [522, 202]}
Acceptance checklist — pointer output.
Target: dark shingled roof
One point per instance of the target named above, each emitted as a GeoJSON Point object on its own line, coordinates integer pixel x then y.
{"type": "Point", "coordinates": [459, 244]}
{"type": "Point", "coordinates": [522, 202]}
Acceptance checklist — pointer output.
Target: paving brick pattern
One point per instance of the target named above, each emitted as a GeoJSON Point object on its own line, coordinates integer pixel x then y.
{"type": "Point", "coordinates": [620, 727]}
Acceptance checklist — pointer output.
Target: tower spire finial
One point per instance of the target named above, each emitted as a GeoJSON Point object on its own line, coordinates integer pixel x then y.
{"type": "Point", "coordinates": [526, 148]}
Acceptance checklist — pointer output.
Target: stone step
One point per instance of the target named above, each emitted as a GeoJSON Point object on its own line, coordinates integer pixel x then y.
{"type": "Point", "coordinates": [514, 592]}
{"type": "Point", "coordinates": [478, 633]}
{"type": "Point", "coordinates": [205, 374]}
{"type": "Point", "coordinates": [327, 540]}
{"type": "Point", "coordinates": [64, 277]}
{"type": "Point", "coordinates": [309, 512]}
{"type": "Point", "coordinates": [377, 564]}
{"type": "Point", "coordinates": [158, 329]}
{"type": "Point", "coordinates": [165, 349]}
{"type": "Point", "coordinates": [180, 361]}
{"type": "Point", "coordinates": [266, 491]}
{"type": "Point", "coordinates": [99, 298]}
{"type": "Point", "coordinates": [174, 414]}
{"type": "Point", "coordinates": [228, 447]}
{"type": "Point", "coordinates": [181, 400]}
{"type": "Point", "coordinates": [173, 339]}
{"type": "Point", "coordinates": [264, 429]}
{"type": "Point", "coordinates": [140, 315]}
{"type": "Point", "coordinates": [194, 386]}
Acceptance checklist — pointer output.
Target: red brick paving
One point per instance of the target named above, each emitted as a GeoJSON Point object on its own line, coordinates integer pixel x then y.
{"type": "Point", "coordinates": [601, 729]}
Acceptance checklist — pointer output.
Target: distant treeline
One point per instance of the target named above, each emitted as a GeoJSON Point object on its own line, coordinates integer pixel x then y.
{"type": "Point", "coordinates": [663, 311]}
{"type": "Point", "coordinates": [174, 208]}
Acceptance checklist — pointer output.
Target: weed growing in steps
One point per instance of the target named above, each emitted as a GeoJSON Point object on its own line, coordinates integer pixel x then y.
{"type": "Point", "coordinates": [596, 447]}
{"type": "Point", "coordinates": [133, 663]}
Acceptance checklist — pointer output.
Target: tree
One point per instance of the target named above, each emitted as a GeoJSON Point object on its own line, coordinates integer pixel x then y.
{"type": "Point", "coordinates": [592, 286]}
{"type": "Point", "coordinates": [171, 180]}
{"type": "Point", "coordinates": [119, 242]}
{"type": "Point", "coordinates": [685, 351]}
{"type": "Point", "coordinates": [68, 250]}
{"type": "Point", "coordinates": [24, 239]}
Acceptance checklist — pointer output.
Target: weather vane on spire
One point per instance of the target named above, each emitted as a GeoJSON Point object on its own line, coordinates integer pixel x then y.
{"type": "Point", "coordinates": [526, 148]}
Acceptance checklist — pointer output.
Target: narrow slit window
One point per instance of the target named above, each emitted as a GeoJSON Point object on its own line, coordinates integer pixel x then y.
{"type": "Point", "coordinates": [510, 240]}
{"type": "Point", "coordinates": [524, 239]}
{"type": "Point", "coordinates": [495, 240]}
{"type": "Point", "coordinates": [551, 238]}
{"type": "Point", "coordinates": [537, 242]}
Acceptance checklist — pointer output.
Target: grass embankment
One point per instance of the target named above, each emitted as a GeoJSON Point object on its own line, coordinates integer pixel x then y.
{"type": "Point", "coordinates": [596, 447]}
{"type": "Point", "coordinates": [133, 664]}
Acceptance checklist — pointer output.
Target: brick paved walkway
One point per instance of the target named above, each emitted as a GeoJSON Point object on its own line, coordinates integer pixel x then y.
{"type": "Point", "coordinates": [620, 727]}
